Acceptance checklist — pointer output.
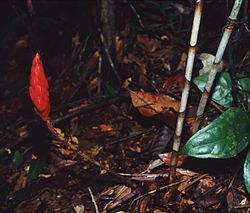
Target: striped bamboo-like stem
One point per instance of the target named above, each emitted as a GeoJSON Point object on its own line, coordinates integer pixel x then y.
{"type": "Point", "coordinates": [216, 64]}
{"type": "Point", "coordinates": [185, 92]}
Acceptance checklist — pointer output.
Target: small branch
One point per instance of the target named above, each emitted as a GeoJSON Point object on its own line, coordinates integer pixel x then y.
{"type": "Point", "coordinates": [143, 177]}
{"type": "Point", "coordinates": [90, 108]}
{"type": "Point", "coordinates": [99, 76]}
{"type": "Point", "coordinates": [111, 62]}
{"type": "Point", "coordinates": [93, 200]}
{"type": "Point", "coordinates": [137, 15]}
{"type": "Point", "coordinates": [159, 189]}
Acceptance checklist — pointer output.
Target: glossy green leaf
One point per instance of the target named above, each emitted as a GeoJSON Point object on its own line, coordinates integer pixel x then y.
{"type": "Point", "coordinates": [225, 137]}
{"type": "Point", "coordinates": [222, 91]}
{"type": "Point", "coordinates": [36, 167]}
{"type": "Point", "coordinates": [244, 84]}
{"type": "Point", "coordinates": [17, 160]}
{"type": "Point", "coordinates": [246, 172]}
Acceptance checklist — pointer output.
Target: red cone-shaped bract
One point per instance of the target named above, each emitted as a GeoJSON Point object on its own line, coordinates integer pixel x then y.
{"type": "Point", "coordinates": [39, 88]}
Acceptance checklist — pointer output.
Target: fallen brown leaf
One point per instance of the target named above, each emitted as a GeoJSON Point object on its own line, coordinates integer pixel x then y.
{"type": "Point", "coordinates": [144, 203]}
{"type": "Point", "coordinates": [174, 82]}
{"type": "Point", "coordinates": [150, 104]}
{"type": "Point", "coordinates": [105, 128]}
{"type": "Point", "coordinates": [21, 182]}
{"type": "Point", "coordinates": [185, 202]}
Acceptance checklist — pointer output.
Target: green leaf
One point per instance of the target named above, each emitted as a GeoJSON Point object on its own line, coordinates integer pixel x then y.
{"type": "Point", "coordinates": [225, 137]}
{"type": "Point", "coordinates": [246, 172]}
{"type": "Point", "coordinates": [36, 167]}
{"type": "Point", "coordinates": [17, 160]}
{"type": "Point", "coordinates": [222, 91]}
{"type": "Point", "coordinates": [244, 85]}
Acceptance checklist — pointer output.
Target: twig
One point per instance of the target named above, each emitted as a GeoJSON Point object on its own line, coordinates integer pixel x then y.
{"type": "Point", "coordinates": [90, 108]}
{"type": "Point", "coordinates": [136, 14]}
{"type": "Point", "coordinates": [111, 62]}
{"type": "Point", "coordinates": [186, 89]}
{"type": "Point", "coordinates": [99, 75]}
{"type": "Point", "coordinates": [247, 206]}
{"type": "Point", "coordinates": [159, 189]}
{"type": "Point", "coordinates": [130, 136]}
{"type": "Point", "coordinates": [93, 200]}
{"type": "Point", "coordinates": [217, 106]}
{"type": "Point", "coordinates": [143, 177]}
{"type": "Point", "coordinates": [216, 64]}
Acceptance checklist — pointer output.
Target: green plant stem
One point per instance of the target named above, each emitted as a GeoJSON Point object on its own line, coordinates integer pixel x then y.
{"type": "Point", "coordinates": [185, 92]}
{"type": "Point", "coordinates": [216, 64]}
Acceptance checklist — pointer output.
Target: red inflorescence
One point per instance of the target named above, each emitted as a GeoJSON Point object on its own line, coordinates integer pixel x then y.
{"type": "Point", "coordinates": [38, 89]}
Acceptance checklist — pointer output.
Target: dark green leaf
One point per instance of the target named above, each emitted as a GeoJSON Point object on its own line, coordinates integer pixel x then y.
{"type": "Point", "coordinates": [222, 91]}
{"type": "Point", "coordinates": [225, 137]}
{"type": "Point", "coordinates": [36, 167]}
{"type": "Point", "coordinates": [244, 85]}
{"type": "Point", "coordinates": [17, 160]}
{"type": "Point", "coordinates": [246, 172]}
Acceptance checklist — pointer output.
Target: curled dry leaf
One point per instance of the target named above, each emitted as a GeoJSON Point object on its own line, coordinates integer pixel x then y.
{"type": "Point", "coordinates": [144, 203]}
{"type": "Point", "coordinates": [184, 201]}
{"type": "Point", "coordinates": [150, 104]}
{"type": "Point", "coordinates": [120, 193]}
{"type": "Point", "coordinates": [105, 128]}
{"type": "Point", "coordinates": [207, 61]}
{"type": "Point", "coordinates": [186, 172]}
{"type": "Point", "coordinates": [166, 158]}
{"type": "Point", "coordinates": [38, 89]}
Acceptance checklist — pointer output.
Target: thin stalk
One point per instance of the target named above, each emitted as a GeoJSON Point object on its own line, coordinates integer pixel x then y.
{"type": "Point", "coordinates": [186, 89]}
{"type": "Point", "coordinates": [216, 64]}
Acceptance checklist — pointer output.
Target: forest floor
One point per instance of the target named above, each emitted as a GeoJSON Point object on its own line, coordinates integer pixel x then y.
{"type": "Point", "coordinates": [108, 160]}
